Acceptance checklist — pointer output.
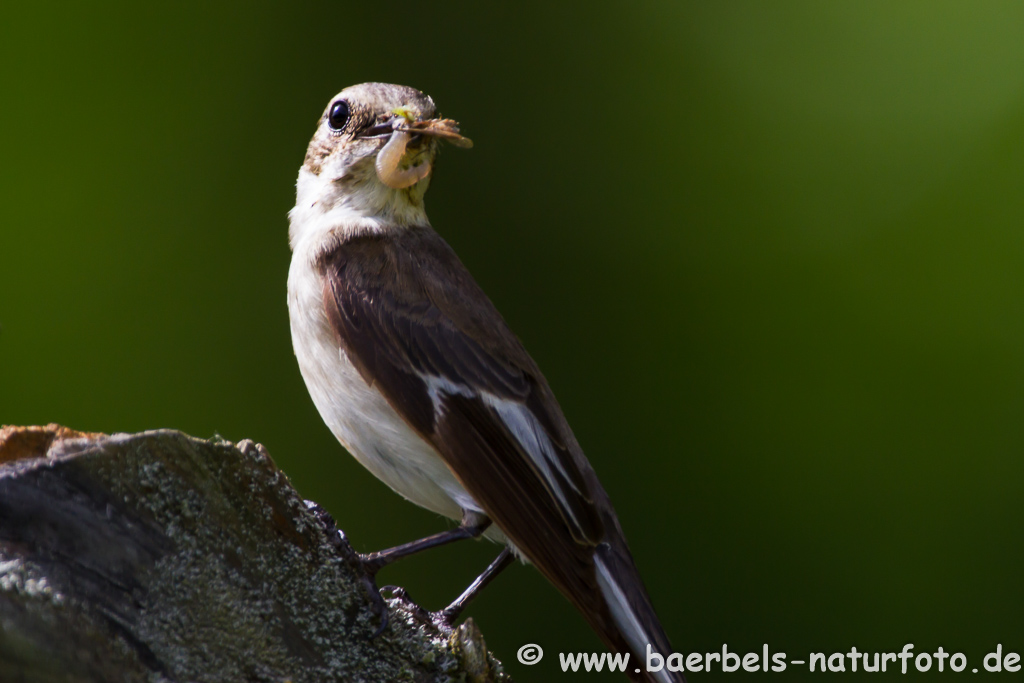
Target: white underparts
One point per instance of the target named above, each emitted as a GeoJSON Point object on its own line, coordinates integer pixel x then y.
{"type": "Point", "coordinates": [358, 415]}
{"type": "Point", "coordinates": [325, 206]}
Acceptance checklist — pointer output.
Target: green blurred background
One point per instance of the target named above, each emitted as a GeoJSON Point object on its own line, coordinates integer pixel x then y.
{"type": "Point", "coordinates": [769, 255]}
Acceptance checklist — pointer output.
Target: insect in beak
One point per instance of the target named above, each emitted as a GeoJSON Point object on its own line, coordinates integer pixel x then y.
{"type": "Point", "coordinates": [403, 128]}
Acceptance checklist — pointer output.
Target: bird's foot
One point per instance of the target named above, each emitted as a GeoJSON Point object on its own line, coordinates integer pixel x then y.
{"type": "Point", "coordinates": [368, 577]}
{"type": "Point", "coordinates": [402, 595]}
{"type": "Point", "coordinates": [444, 619]}
{"type": "Point", "coordinates": [370, 565]}
{"type": "Point", "coordinates": [367, 566]}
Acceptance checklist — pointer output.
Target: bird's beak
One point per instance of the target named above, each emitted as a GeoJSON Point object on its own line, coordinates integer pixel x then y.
{"type": "Point", "coordinates": [445, 129]}
{"type": "Point", "coordinates": [403, 130]}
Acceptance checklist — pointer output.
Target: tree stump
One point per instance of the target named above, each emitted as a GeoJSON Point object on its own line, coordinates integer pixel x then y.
{"type": "Point", "coordinates": [160, 557]}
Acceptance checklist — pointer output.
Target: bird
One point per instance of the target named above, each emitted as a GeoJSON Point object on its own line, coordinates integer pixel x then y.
{"type": "Point", "coordinates": [419, 377]}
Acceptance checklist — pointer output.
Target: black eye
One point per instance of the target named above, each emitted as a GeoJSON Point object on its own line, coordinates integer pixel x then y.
{"type": "Point", "coordinates": [339, 115]}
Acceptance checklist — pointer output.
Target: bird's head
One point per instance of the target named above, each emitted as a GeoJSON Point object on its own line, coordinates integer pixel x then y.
{"type": "Point", "coordinates": [374, 149]}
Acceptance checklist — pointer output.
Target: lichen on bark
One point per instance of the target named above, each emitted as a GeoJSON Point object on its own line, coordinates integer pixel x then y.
{"type": "Point", "coordinates": [162, 557]}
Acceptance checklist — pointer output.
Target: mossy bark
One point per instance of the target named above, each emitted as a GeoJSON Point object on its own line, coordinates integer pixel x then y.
{"type": "Point", "coordinates": [161, 557]}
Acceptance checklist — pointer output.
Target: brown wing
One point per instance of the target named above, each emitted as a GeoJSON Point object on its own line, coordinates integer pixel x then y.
{"type": "Point", "coordinates": [418, 327]}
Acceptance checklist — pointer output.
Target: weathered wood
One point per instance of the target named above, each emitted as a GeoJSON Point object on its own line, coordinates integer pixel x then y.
{"type": "Point", "coordinates": [161, 557]}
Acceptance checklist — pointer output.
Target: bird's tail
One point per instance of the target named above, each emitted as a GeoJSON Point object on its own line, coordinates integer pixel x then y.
{"type": "Point", "coordinates": [629, 622]}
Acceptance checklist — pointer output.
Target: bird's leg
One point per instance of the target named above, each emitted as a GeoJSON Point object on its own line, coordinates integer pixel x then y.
{"type": "Point", "coordinates": [473, 524]}
{"type": "Point", "coordinates": [449, 614]}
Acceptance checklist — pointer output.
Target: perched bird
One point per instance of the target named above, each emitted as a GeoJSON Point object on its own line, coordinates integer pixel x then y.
{"type": "Point", "coordinates": [419, 377]}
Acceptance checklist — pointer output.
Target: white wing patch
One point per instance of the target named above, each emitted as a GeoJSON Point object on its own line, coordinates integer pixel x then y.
{"type": "Point", "coordinates": [525, 427]}
{"type": "Point", "coordinates": [436, 386]}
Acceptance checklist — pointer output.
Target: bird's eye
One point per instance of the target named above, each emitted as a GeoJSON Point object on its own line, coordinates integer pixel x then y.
{"type": "Point", "coordinates": [339, 115]}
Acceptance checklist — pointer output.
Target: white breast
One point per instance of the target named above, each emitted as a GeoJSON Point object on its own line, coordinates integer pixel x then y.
{"type": "Point", "coordinates": [358, 414]}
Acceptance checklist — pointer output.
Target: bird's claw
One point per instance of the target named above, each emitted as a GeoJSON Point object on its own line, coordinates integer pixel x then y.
{"type": "Point", "coordinates": [444, 619]}
{"type": "Point", "coordinates": [379, 606]}
{"type": "Point", "coordinates": [402, 595]}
